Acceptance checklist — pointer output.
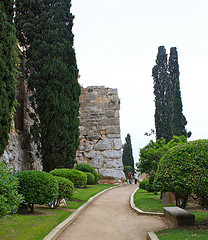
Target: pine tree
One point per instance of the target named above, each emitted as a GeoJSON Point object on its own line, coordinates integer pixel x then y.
{"type": "Point", "coordinates": [45, 30]}
{"type": "Point", "coordinates": [127, 157]}
{"type": "Point", "coordinates": [162, 96]}
{"type": "Point", "coordinates": [7, 70]}
{"type": "Point", "coordinates": [178, 119]}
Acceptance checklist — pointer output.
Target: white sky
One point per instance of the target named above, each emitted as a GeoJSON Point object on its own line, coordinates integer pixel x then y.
{"type": "Point", "coordinates": [116, 44]}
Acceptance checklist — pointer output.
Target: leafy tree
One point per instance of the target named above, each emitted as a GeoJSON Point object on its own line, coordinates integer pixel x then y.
{"type": "Point", "coordinates": [151, 154]}
{"type": "Point", "coordinates": [45, 31]}
{"type": "Point", "coordinates": [183, 170]}
{"type": "Point", "coordinates": [7, 70]}
{"type": "Point", "coordinates": [162, 96]}
{"type": "Point", "coordinates": [127, 156]}
{"type": "Point", "coordinates": [9, 196]}
{"type": "Point", "coordinates": [37, 187]}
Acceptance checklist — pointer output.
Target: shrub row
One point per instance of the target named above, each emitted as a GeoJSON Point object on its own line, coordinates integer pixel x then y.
{"type": "Point", "coordinates": [88, 169]}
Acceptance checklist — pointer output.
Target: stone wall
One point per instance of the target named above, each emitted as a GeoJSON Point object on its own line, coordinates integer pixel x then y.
{"type": "Point", "coordinates": [21, 150]}
{"type": "Point", "coordinates": [100, 140]}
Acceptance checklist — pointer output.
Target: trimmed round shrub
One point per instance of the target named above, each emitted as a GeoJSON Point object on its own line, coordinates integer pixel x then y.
{"type": "Point", "coordinates": [183, 170]}
{"type": "Point", "coordinates": [9, 196]}
{"type": "Point", "coordinates": [84, 167]}
{"type": "Point", "coordinates": [143, 184]}
{"type": "Point", "coordinates": [66, 188]}
{"type": "Point", "coordinates": [90, 178]}
{"type": "Point", "coordinates": [37, 187]}
{"type": "Point", "coordinates": [78, 178]}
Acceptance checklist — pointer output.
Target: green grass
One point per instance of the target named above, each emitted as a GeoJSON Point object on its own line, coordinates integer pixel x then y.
{"type": "Point", "coordinates": [36, 227]}
{"type": "Point", "coordinates": [148, 202]}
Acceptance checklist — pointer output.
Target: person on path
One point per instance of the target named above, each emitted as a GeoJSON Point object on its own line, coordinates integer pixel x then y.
{"type": "Point", "coordinates": [129, 177]}
{"type": "Point", "coordinates": [136, 176]}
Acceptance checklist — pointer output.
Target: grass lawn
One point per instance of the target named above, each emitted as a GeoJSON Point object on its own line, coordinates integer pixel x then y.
{"type": "Point", "coordinates": [148, 202]}
{"type": "Point", "coordinates": [151, 203]}
{"type": "Point", "coordinates": [36, 226]}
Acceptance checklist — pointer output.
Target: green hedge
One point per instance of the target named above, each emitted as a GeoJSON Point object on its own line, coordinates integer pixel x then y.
{"type": "Point", "coordinates": [90, 178]}
{"type": "Point", "coordinates": [84, 167]}
{"type": "Point", "coordinates": [37, 187]}
{"type": "Point", "coordinates": [78, 178]}
{"type": "Point", "coordinates": [9, 197]}
{"type": "Point", "coordinates": [66, 188]}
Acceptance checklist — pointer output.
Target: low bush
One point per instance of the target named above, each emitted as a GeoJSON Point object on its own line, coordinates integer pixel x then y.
{"type": "Point", "coordinates": [78, 178]}
{"type": "Point", "coordinates": [84, 167]}
{"type": "Point", "coordinates": [66, 190]}
{"type": "Point", "coordinates": [143, 184]}
{"type": "Point", "coordinates": [37, 187]}
{"type": "Point", "coordinates": [90, 178]}
{"type": "Point", "coordinates": [9, 197]}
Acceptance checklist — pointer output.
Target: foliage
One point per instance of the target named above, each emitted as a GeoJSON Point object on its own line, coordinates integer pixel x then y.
{"type": "Point", "coordinates": [90, 178]}
{"type": "Point", "coordinates": [78, 178]}
{"type": "Point", "coordinates": [7, 70]}
{"type": "Point", "coordinates": [84, 167]}
{"type": "Point", "coordinates": [151, 154]}
{"type": "Point", "coordinates": [143, 184]}
{"type": "Point", "coordinates": [65, 191]}
{"type": "Point", "coordinates": [178, 119]}
{"type": "Point", "coordinates": [127, 169]}
{"type": "Point", "coordinates": [169, 119]}
{"type": "Point", "coordinates": [9, 197]}
{"type": "Point", "coordinates": [127, 157]}
{"type": "Point", "coordinates": [183, 170]}
{"type": "Point", "coordinates": [44, 29]}
{"type": "Point", "coordinates": [37, 187]}
{"type": "Point", "coordinates": [161, 89]}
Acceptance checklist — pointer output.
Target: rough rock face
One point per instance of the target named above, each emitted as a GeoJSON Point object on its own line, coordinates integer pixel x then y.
{"type": "Point", "coordinates": [100, 140]}
{"type": "Point", "coordinates": [21, 151]}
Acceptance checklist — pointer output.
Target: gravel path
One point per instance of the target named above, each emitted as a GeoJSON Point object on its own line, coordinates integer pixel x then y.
{"type": "Point", "coordinates": [110, 218]}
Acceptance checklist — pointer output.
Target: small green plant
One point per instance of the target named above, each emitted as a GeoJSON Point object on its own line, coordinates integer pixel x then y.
{"type": "Point", "coordinates": [84, 167]}
{"type": "Point", "coordinates": [78, 178]}
{"type": "Point", "coordinates": [9, 197]}
{"type": "Point", "coordinates": [37, 187]}
{"type": "Point", "coordinates": [90, 178]}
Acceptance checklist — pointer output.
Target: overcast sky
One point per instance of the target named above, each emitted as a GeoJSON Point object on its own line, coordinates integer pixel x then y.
{"type": "Point", "coordinates": [116, 44]}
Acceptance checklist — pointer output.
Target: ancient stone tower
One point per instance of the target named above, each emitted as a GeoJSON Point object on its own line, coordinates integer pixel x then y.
{"type": "Point", "coordinates": [100, 140]}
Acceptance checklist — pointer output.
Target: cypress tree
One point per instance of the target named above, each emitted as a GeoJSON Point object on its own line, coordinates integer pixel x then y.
{"type": "Point", "coordinates": [178, 119]}
{"type": "Point", "coordinates": [7, 70]}
{"type": "Point", "coordinates": [127, 156]}
{"type": "Point", "coordinates": [162, 96]}
{"type": "Point", "coordinates": [45, 30]}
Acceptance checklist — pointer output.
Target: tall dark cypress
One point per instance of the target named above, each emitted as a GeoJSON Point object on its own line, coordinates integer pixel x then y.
{"type": "Point", "coordinates": [45, 30]}
{"type": "Point", "coordinates": [7, 70]}
{"type": "Point", "coordinates": [178, 119]}
{"type": "Point", "coordinates": [162, 99]}
{"type": "Point", "coordinates": [127, 158]}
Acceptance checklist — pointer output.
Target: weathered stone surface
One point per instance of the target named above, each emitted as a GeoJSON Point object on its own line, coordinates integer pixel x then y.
{"type": "Point", "coordinates": [100, 140]}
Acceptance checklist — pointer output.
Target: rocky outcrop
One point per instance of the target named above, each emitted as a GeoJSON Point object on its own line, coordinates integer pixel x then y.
{"type": "Point", "coordinates": [100, 140]}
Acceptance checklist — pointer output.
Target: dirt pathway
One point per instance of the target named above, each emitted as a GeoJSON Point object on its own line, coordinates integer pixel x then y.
{"type": "Point", "coordinates": [110, 218]}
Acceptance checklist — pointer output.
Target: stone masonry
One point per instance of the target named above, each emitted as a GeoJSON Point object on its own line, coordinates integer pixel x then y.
{"type": "Point", "coordinates": [100, 140]}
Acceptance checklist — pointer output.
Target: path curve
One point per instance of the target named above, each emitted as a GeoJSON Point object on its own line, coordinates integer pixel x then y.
{"type": "Point", "coordinates": [110, 218]}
